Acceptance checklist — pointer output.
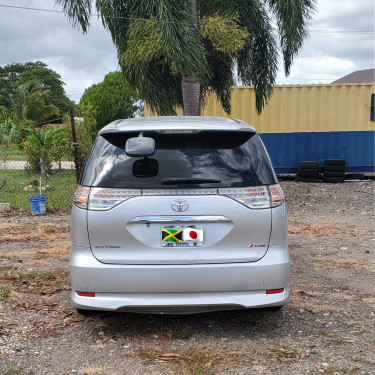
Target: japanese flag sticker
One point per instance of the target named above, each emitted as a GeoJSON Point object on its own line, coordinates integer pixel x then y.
{"type": "Point", "coordinates": [191, 234]}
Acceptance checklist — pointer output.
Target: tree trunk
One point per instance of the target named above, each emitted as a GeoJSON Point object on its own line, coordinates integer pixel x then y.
{"type": "Point", "coordinates": [190, 86]}
{"type": "Point", "coordinates": [191, 95]}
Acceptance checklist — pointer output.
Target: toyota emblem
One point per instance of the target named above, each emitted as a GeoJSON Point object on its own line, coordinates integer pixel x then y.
{"type": "Point", "coordinates": [179, 205]}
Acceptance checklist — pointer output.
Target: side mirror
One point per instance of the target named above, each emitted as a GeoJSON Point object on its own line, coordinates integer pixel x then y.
{"type": "Point", "coordinates": [141, 147]}
{"type": "Point", "coordinates": [145, 168]}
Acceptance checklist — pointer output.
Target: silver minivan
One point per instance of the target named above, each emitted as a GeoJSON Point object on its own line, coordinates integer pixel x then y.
{"type": "Point", "coordinates": [179, 215]}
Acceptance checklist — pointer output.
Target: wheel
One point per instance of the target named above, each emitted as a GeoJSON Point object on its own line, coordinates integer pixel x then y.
{"type": "Point", "coordinates": [334, 168]}
{"type": "Point", "coordinates": [308, 164]}
{"type": "Point", "coordinates": [306, 179]}
{"type": "Point", "coordinates": [334, 180]}
{"type": "Point", "coordinates": [334, 162]}
{"type": "Point", "coordinates": [354, 176]}
{"type": "Point", "coordinates": [307, 172]}
{"type": "Point", "coordinates": [334, 174]}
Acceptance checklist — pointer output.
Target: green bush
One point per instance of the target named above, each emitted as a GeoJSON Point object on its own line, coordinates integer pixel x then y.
{"type": "Point", "coordinates": [12, 132]}
{"type": "Point", "coordinates": [45, 146]}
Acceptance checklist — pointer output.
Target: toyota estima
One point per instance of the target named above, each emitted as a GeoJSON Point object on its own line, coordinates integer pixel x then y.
{"type": "Point", "coordinates": [178, 215]}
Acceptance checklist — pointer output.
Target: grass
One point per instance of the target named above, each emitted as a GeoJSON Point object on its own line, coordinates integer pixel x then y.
{"type": "Point", "coordinates": [38, 281]}
{"type": "Point", "coordinates": [12, 152]}
{"type": "Point", "coordinates": [62, 182]}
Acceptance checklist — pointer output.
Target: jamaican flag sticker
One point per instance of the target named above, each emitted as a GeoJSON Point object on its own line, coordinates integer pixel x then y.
{"type": "Point", "coordinates": [171, 235]}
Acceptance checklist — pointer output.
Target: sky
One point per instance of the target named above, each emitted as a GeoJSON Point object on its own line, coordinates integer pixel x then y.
{"type": "Point", "coordinates": [341, 41]}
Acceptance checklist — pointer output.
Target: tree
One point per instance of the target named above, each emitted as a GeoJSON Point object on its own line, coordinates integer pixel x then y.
{"type": "Point", "coordinates": [29, 101]}
{"type": "Point", "coordinates": [112, 99]}
{"type": "Point", "coordinates": [17, 78]}
{"type": "Point", "coordinates": [173, 52]}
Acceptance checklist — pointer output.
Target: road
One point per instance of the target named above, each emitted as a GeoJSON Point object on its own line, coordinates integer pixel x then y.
{"type": "Point", "coordinates": [18, 164]}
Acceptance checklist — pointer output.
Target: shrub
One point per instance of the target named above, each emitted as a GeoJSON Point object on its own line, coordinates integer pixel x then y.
{"type": "Point", "coordinates": [43, 147]}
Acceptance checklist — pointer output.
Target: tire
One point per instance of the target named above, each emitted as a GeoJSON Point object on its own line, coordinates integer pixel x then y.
{"type": "Point", "coordinates": [333, 180]}
{"type": "Point", "coordinates": [334, 174]}
{"type": "Point", "coordinates": [354, 176]}
{"type": "Point", "coordinates": [334, 168]}
{"type": "Point", "coordinates": [307, 172]}
{"type": "Point", "coordinates": [306, 179]}
{"type": "Point", "coordinates": [334, 162]}
{"type": "Point", "coordinates": [308, 165]}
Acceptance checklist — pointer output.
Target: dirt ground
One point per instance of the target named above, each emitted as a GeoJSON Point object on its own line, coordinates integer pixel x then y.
{"type": "Point", "coordinates": [328, 327]}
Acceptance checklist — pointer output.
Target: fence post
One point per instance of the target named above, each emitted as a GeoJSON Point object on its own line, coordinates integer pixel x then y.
{"type": "Point", "coordinates": [75, 145]}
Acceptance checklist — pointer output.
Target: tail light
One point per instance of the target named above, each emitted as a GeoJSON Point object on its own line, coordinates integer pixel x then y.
{"type": "Point", "coordinates": [275, 291]}
{"type": "Point", "coordinates": [257, 196]}
{"type": "Point", "coordinates": [104, 199]}
{"type": "Point", "coordinates": [81, 197]}
{"type": "Point", "coordinates": [100, 199]}
{"type": "Point", "coordinates": [277, 195]}
{"type": "Point", "coordinates": [85, 294]}
{"type": "Point", "coordinates": [253, 197]}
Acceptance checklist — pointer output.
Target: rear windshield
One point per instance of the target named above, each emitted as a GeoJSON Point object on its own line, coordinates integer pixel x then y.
{"type": "Point", "coordinates": [208, 159]}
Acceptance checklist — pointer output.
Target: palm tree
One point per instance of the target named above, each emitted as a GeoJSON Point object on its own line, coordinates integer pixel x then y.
{"type": "Point", "coordinates": [29, 101]}
{"type": "Point", "coordinates": [174, 52]}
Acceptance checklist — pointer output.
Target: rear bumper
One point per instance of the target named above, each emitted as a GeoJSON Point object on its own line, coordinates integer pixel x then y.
{"type": "Point", "coordinates": [179, 288]}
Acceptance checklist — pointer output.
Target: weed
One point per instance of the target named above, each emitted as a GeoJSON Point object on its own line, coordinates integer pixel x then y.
{"type": "Point", "coordinates": [40, 281]}
{"type": "Point", "coordinates": [12, 371]}
{"type": "Point", "coordinates": [150, 354]}
{"type": "Point", "coordinates": [4, 293]}
{"type": "Point", "coordinates": [284, 352]}
{"type": "Point", "coordinates": [89, 370]}
{"type": "Point", "coordinates": [193, 361]}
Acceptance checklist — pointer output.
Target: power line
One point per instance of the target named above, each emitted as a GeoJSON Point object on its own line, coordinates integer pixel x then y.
{"type": "Point", "coordinates": [135, 19]}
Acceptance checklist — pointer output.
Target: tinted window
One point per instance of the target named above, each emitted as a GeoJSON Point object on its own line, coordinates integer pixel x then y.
{"type": "Point", "coordinates": [208, 159]}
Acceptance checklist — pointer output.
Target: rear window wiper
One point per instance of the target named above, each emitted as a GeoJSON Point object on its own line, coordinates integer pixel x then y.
{"type": "Point", "coordinates": [180, 181]}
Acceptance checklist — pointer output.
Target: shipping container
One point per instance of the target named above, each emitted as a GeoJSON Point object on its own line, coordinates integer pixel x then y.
{"type": "Point", "coordinates": [312, 122]}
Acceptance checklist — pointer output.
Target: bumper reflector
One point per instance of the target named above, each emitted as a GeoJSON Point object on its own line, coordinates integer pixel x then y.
{"type": "Point", "coordinates": [86, 294]}
{"type": "Point", "coordinates": [274, 291]}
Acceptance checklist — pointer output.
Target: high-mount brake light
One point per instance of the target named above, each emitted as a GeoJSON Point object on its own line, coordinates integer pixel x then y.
{"type": "Point", "coordinates": [178, 131]}
{"type": "Point", "coordinates": [101, 199]}
{"type": "Point", "coordinates": [81, 197]}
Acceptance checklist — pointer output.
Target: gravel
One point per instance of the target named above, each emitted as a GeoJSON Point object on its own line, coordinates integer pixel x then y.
{"type": "Point", "coordinates": [327, 328]}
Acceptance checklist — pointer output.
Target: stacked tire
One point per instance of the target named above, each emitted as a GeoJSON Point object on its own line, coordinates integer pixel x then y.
{"type": "Point", "coordinates": [334, 170]}
{"type": "Point", "coordinates": [307, 171]}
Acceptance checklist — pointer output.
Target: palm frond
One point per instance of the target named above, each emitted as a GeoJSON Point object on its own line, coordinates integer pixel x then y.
{"type": "Point", "coordinates": [78, 12]}
{"type": "Point", "coordinates": [257, 61]}
{"type": "Point", "coordinates": [292, 21]}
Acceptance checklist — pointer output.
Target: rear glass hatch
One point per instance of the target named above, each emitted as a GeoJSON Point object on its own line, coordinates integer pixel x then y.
{"type": "Point", "coordinates": [203, 169]}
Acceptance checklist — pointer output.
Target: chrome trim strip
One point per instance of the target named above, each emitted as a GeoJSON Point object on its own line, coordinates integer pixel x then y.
{"type": "Point", "coordinates": [179, 219]}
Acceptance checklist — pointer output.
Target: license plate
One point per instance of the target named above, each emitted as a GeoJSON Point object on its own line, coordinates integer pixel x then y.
{"type": "Point", "coordinates": [181, 236]}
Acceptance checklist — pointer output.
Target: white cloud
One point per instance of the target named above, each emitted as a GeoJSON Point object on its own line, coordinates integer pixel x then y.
{"type": "Point", "coordinates": [82, 60]}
